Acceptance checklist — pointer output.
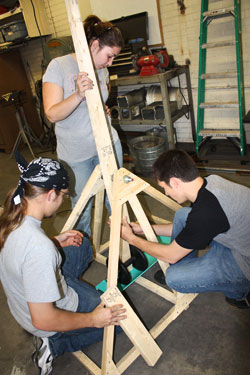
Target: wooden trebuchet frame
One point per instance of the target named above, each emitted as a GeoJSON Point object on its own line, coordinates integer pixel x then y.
{"type": "Point", "coordinates": [107, 177]}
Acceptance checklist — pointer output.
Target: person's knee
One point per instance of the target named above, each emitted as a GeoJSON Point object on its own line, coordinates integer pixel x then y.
{"type": "Point", "coordinates": [87, 247]}
{"type": "Point", "coordinates": [179, 222]}
{"type": "Point", "coordinates": [171, 277]}
{"type": "Point", "coordinates": [182, 214]}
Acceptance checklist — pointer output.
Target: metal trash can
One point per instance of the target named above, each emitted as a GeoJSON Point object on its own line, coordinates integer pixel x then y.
{"type": "Point", "coordinates": [144, 151]}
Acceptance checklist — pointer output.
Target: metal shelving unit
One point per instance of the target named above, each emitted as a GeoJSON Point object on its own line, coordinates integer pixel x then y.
{"type": "Point", "coordinates": [35, 20]}
{"type": "Point", "coordinates": [140, 125]}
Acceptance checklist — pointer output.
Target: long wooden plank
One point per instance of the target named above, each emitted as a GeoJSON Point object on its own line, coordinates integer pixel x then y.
{"type": "Point", "coordinates": [94, 101]}
{"type": "Point", "coordinates": [159, 327]}
{"type": "Point", "coordinates": [87, 362]}
{"type": "Point", "coordinates": [181, 305]}
{"type": "Point", "coordinates": [154, 288]}
{"type": "Point", "coordinates": [134, 328]}
{"type": "Point", "coordinates": [93, 186]}
{"type": "Point", "coordinates": [146, 227]}
{"type": "Point", "coordinates": [98, 216]}
{"type": "Point", "coordinates": [162, 198]}
{"type": "Point", "coordinates": [108, 366]}
{"type": "Point", "coordinates": [115, 228]}
{"type": "Point", "coordinates": [96, 111]}
{"type": "Point", "coordinates": [155, 219]}
{"type": "Point", "coordinates": [124, 246]}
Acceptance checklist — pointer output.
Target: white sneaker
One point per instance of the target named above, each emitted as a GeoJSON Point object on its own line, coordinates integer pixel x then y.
{"type": "Point", "coordinates": [42, 356]}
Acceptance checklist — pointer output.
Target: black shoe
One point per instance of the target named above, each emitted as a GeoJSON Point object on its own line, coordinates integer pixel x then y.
{"type": "Point", "coordinates": [241, 304]}
{"type": "Point", "coordinates": [160, 277]}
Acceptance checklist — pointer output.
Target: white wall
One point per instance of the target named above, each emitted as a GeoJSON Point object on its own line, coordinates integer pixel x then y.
{"type": "Point", "coordinates": [57, 17]}
{"type": "Point", "coordinates": [109, 10]}
{"type": "Point", "coordinates": [181, 36]}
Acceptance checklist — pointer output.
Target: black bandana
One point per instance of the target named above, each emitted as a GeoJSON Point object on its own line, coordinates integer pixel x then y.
{"type": "Point", "coordinates": [44, 172]}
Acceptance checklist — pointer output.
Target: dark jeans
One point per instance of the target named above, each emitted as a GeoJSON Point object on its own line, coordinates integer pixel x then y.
{"type": "Point", "coordinates": [81, 174]}
{"type": "Point", "coordinates": [215, 271]}
{"type": "Point", "coordinates": [76, 260]}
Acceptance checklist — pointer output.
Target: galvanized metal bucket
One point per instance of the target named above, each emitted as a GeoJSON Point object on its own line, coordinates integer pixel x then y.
{"type": "Point", "coordinates": [144, 151]}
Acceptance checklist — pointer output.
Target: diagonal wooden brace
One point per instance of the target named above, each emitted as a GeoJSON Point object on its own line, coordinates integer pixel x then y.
{"type": "Point", "coordinates": [134, 328]}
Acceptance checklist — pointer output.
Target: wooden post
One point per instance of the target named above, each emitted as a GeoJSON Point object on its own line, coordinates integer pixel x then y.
{"type": "Point", "coordinates": [97, 114]}
{"type": "Point", "coordinates": [94, 101]}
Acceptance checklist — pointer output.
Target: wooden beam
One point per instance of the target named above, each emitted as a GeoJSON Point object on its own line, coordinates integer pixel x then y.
{"type": "Point", "coordinates": [159, 327]}
{"type": "Point", "coordinates": [94, 101]}
{"type": "Point", "coordinates": [154, 288]}
{"type": "Point", "coordinates": [146, 227]}
{"type": "Point", "coordinates": [162, 198]}
{"type": "Point", "coordinates": [134, 328]}
{"type": "Point", "coordinates": [98, 217]}
{"type": "Point", "coordinates": [87, 362]}
{"type": "Point", "coordinates": [93, 186]}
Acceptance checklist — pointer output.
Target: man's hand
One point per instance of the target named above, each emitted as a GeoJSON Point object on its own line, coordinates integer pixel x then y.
{"type": "Point", "coordinates": [69, 238]}
{"type": "Point", "coordinates": [136, 228]}
{"type": "Point", "coordinates": [126, 230]}
{"type": "Point", "coordinates": [47, 317]}
{"type": "Point", "coordinates": [106, 316]}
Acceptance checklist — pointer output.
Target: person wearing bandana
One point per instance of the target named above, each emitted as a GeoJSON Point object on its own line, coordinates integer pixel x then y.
{"type": "Point", "coordinates": [40, 276]}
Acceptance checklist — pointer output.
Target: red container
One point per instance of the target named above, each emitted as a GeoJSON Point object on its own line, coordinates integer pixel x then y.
{"type": "Point", "coordinates": [3, 9]}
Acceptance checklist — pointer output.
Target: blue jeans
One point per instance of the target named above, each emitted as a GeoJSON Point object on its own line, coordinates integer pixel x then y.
{"type": "Point", "coordinates": [81, 173]}
{"type": "Point", "coordinates": [215, 271]}
{"type": "Point", "coordinates": [75, 261]}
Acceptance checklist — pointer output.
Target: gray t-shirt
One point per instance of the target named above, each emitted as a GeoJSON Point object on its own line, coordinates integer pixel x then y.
{"type": "Point", "coordinates": [30, 272]}
{"type": "Point", "coordinates": [75, 139]}
{"type": "Point", "coordinates": [235, 202]}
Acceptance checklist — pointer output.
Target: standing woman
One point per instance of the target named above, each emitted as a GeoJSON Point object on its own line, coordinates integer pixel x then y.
{"type": "Point", "coordinates": [64, 100]}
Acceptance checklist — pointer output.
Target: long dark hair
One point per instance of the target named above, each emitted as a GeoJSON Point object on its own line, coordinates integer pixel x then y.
{"type": "Point", "coordinates": [106, 33]}
{"type": "Point", "coordinates": [12, 215]}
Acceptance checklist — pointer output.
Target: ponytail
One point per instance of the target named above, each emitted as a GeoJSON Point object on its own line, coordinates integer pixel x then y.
{"type": "Point", "coordinates": [12, 215]}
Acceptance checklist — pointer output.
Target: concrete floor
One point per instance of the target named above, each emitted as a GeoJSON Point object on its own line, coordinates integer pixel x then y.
{"type": "Point", "coordinates": [210, 338]}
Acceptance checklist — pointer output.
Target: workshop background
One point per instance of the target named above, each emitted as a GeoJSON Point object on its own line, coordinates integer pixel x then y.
{"type": "Point", "coordinates": [210, 338]}
{"type": "Point", "coordinates": [181, 31]}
